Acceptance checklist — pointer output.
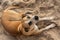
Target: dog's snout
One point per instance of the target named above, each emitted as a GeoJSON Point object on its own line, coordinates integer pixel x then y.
{"type": "Point", "coordinates": [30, 23]}
{"type": "Point", "coordinates": [36, 17]}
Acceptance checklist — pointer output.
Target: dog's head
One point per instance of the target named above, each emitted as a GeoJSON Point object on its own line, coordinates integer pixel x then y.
{"type": "Point", "coordinates": [30, 19]}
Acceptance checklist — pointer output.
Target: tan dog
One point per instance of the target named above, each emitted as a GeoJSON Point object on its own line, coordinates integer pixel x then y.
{"type": "Point", "coordinates": [14, 23]}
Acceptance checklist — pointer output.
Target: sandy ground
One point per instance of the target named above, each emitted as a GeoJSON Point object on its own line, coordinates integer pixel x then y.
{"type": "Point", "coordinates": [51, 34]}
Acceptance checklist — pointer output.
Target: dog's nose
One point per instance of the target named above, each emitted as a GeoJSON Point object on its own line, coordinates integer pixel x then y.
{"type": "Point", "coordinates": [36, 17]}
{"type": "Point", "coordinates": [30, 23]}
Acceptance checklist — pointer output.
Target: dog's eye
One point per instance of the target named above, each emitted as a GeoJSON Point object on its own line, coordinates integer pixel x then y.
{"type": "Point", "coordinates": [36, 17]}
{"type": "Point", "coordinates": [28, 17]}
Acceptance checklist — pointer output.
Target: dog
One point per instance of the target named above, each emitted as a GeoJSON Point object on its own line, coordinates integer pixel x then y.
{"type": "Point", "coordinates": [20, 22]}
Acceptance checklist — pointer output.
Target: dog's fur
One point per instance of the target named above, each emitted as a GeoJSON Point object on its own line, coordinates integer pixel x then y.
{"type": "Point", "coordinates": [14, 23]}
{"type": "Point", "coordinates": [10, 26]}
